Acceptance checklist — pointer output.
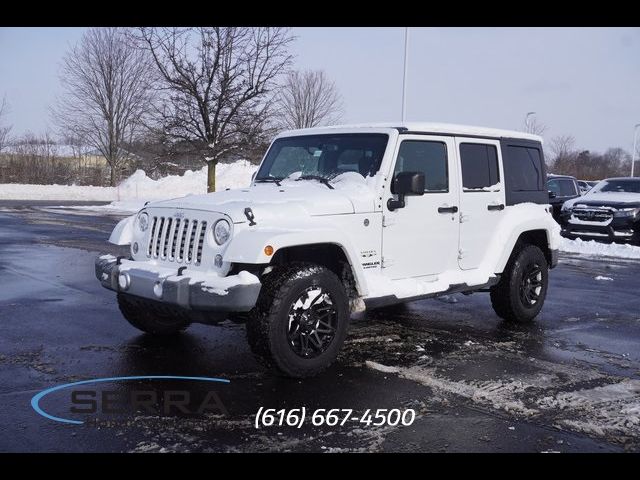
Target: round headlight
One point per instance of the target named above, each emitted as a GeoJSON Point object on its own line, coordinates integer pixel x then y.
{"type": "Point", "coordinates": [143, 221]}
{"type": "Point", "coordinates": [221, 231]}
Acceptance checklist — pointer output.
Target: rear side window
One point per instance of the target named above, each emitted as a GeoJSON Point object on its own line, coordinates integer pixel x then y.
{"type": "Point", "coordinates": [525, 169]}
{"type": "Point", "coordinates": [479, 166]}
{"type": "Point", "coordinates": [562, 187]}
{"type": "Point", "coordinates": [427, 157]}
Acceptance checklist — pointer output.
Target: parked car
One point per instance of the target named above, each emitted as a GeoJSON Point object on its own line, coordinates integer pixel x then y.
{"type": "Point", "coordinates": [561, 188]}
{"type": "Point", "coordinates": [338, 220]}
{"type": "Point", "coordinates": [609, 211]}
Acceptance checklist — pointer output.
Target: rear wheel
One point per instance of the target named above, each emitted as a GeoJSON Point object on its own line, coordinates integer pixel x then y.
{"type": "Point", "coordinates": [300, 320]}
{"type": "Point", "coordinates": [152, 317]}
{"type": "Point", "coordinates": [520, 294]}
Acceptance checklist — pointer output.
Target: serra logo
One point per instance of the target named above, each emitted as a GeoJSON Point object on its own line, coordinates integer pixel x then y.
{"type": "Point", "coordinates": [88, 401]}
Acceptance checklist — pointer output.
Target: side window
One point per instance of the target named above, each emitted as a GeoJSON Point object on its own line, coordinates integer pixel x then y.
{"type": "Point", "coordinates": [525, 169]}
{"type": "Point", "coordinates": [567, 188]}
{"type": "Point", "coordinates": [427, 157]}
{"type": "Point", "coordinates": [554, 186]}
{"type": "Point", "coordinates": [480, 169]}
{"type": "Point", "coordinates": [562, 187]}
{"type": "Point", "coordinates": [572, 189]}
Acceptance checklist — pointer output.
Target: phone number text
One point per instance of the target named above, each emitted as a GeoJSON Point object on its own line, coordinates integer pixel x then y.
{"type": "Point", "coordinates": [297, 417]}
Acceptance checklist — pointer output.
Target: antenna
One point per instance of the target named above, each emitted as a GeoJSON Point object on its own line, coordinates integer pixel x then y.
{"type": "Point", "coordinates": [404, 78]}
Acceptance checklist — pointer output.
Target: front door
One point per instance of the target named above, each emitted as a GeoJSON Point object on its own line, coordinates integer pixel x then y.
{"type": "Point", "coordinates": [422, 237]}
{"type": "Point", "coordinates": [482, 199]}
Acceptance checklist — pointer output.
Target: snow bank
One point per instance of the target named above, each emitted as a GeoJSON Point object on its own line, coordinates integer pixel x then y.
{"type": "Point", "coordinates": [138, 188]}
{"type": "Point", "coordinates": [591, 247]}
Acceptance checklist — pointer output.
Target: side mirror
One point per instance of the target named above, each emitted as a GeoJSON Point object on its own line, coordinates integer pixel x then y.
{"type": "Point", "coordinates": [408, 183]}
{"type": "Point", "coordinates": [552, 195]}
{"type": "Point", "coordinates": [405, 183]}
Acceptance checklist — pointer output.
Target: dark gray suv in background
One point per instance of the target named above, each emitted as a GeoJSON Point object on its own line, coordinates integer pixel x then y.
{"type": "Point", "coordinates": [609, 211]}
{"type": "Point", "coordinates": [561, 188]}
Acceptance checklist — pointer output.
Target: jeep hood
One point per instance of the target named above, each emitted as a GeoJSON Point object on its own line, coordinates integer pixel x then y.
{"type": "Point", "coordinates": [269, 201]}
{"type": "Point", "coordinates": [607, 199]}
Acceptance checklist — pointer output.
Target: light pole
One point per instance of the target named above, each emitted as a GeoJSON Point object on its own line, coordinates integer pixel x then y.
{"type": "Point", "coordinates": [526, 121]}
{"type": "Point", "coordinates": [404, 77]}
{"type": "Point", "coordinates": [635, 143]}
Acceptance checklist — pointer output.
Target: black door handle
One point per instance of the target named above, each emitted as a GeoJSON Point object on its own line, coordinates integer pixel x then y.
{"type": "Point", "coordinates": [495, 207]}
{"type": "Point", "coordinates": [447, 209]}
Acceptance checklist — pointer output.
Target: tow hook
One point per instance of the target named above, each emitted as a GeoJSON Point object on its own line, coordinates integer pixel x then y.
{"type": "Point", "coordinates": [180, 270]}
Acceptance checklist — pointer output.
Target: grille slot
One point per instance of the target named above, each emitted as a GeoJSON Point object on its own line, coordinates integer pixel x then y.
{"type": "Point", "coordinates": [153, 234]}
{"type": "Point", "coordinates": [177, 240]}
{"type": "Point", "coordinates": [174, 238]}
{"type": "Point", "coordinates": [203, 230]}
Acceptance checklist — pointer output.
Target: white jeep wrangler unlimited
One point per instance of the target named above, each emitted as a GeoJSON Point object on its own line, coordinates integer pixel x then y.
{"type": "Point", "coordinates": [337, 220]}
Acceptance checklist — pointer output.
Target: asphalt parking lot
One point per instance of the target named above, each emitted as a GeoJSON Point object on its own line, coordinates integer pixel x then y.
{"type": "Point", "coordinates": [570, 382]}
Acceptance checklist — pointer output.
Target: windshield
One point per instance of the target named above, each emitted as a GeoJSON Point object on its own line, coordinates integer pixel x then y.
{"type": "Point", "coordinates": [323, 156]}
{"type": "Point", "coordinates": [622, 185]}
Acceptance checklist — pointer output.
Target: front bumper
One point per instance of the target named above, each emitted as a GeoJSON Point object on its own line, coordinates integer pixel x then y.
{"type": "Point", "coordinates": [617, 230]}
{"type": "Point", "coordinates": [159, 283]}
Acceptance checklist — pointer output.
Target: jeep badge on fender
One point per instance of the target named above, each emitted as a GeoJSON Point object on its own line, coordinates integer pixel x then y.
{"type": "Point", "coordinates": [436, 209]}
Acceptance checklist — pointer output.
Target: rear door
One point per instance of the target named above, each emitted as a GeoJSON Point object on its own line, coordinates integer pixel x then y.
{"type": "Point", "coordinates": [482, 198]}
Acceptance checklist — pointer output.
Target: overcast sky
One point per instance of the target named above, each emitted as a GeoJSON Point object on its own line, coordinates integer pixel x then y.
{"type": "Point", "coordinates": [581, 81]}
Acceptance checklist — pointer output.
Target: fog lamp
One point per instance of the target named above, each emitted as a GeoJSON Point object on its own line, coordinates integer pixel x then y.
{"type": "Point", "coordinates": [124, 281]}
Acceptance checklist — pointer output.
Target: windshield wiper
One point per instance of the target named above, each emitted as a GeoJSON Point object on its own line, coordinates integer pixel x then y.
{"type": "Point", "coordinates": [321, 179]}
{"type": "Point", "coordinates": [269, 180]}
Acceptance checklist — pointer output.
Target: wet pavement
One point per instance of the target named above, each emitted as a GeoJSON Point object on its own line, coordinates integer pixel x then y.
{"type": "Point", "coordinates": [570, 382]}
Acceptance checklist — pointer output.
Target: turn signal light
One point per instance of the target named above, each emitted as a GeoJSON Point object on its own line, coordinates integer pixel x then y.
{"type": "Point", "coordinates": [268, 250]}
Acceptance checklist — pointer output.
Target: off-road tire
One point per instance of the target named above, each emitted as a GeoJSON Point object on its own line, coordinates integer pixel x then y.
{"type": "Point", "coordinates": [506, 296]}
{"type": "Point", "coordinates": [268, 322]}
{"type": "Point", "coordinates": [152, 317]}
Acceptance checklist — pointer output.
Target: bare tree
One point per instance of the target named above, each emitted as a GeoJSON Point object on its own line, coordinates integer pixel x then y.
{"type": "Point", "coordinates": [76, 143]}
{"type": "Point", "coordinates": [533, 126]}
{"type": "Point", "coordinates": [106, 82]}
{"type": "Point", "coordinates": [586, 165]}
{"type": "Point", "coordinates": [561, 146]}
{"type": "Point", "coordinates": [5, 130]}
{"type": "Point", "coordinates": [308, 99]}
{"type": "Point", "coordinates": [218, 85]}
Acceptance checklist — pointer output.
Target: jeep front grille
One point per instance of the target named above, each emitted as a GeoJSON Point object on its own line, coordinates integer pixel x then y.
{"type": "Point", "coordinates": [592, 214]}
{"type": "Point", "coordinates": [176, 239]}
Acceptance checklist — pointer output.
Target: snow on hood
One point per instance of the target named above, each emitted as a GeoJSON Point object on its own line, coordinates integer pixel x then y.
{"type": "Point", "coordinates": [605, 198]}
{"type": "Point", "coordinates": [351, 194]}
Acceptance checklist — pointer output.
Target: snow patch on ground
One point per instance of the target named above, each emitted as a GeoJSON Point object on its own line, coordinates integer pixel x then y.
{"type": "Point", "coordinates": [499, 394]}
{"type": "Point", "coordinates": [134, 191]}
{"type": "Point", "coordinates": [606, 410]}
{"type": "Point", "coordinates": [600, 277]}
{"type": "Point", "coordinates": [593, 248]}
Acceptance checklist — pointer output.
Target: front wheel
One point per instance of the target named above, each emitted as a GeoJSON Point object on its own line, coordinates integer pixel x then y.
{"type": "Point", "coordinates": [520, 294]}
{"type": "Point", "coordinates": [300, 320]}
